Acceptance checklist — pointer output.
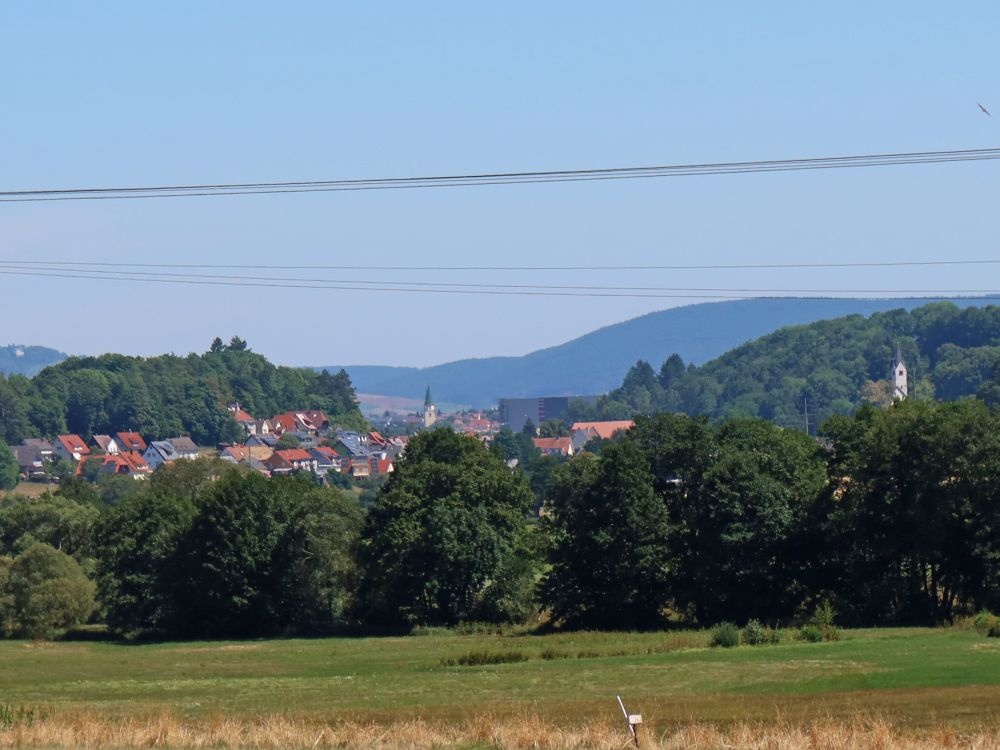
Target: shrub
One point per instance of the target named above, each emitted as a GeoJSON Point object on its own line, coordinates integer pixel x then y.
{"type": "Point", "coordinates": [823, 619]}
{"type": "Point", "coordinates": [45, 593]}
{"type": "Point", "coordinates": [811, 634]}
{"type": "Point", "coordinates": [754, 633]}
{"type": "Point", "coordinates": [773, 635]}
{"type": "Point", "coordinates": [993, 632]}
{"type": "Point", "coordinates": [984, 622]}
{"type": "Point", "coordinates": [482, 658]}
{"type": "Point", "coordinates": [550, 654]}
{"type": "Point", "coordinates": [725, 635]}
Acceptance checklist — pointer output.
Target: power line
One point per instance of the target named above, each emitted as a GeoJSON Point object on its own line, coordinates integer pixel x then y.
{"type": "Point", "coordinates": [474, 289]}
{"type": "Point", "coordinates": [480, 285]}
{"type": "Point", "coordinates": [708, 267]}
{"type": "Point", "coordinates": [504, 178]}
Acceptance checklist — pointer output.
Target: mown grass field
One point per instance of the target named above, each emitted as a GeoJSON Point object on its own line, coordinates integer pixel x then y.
{"type": "Point", "coordinates": [909, 677]}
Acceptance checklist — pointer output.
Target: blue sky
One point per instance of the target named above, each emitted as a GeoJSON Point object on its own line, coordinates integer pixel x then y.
{"type": "Point", "coordinates": [125, 93]}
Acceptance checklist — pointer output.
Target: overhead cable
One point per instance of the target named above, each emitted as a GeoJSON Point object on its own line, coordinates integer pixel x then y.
{"type": "Point", "coordinates": [502, 178]}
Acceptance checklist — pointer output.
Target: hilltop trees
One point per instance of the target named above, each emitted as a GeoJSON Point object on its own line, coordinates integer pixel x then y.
{"type": "Point", "coordinates": [447, 539]}
{"type": "Point", "coordinates": [164, 396]}
{"type": "Point", "coordinates": [800, 376]}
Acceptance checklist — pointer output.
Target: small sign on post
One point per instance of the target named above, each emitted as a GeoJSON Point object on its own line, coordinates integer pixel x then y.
{"type": "Point", "coordinates": [634, 721]}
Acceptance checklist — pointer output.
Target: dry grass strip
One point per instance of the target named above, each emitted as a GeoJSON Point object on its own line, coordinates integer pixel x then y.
{"type": "Point", "coordinates": [526, 733]}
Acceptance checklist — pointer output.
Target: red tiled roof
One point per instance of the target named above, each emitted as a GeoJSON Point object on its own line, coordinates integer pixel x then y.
{"type": "Point", "coordinates": [286, 421]}
{"type": "Point", "coordinates": [295, 454]}
{"type": "Point", "coordinates": [384, 465]}
{"type": "Point", "coordinates": [604, 429]}
{"type": "Point", "coordinates": [562, 445]}
{"type": "Point", "coordinates": [236, 451]}
{"type": "Point", "coordinates": [73, 444]}
{"type": "Point", "coordinates": [241, 416]}
{"type": "Point", "coordinates": [131, 441]}
{"type": "Point", "coordinates": [327, 451]}
{"type": "Point", "coordinates": [133, 461]}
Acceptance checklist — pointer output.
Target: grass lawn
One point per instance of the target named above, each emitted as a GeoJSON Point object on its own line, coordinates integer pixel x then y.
{"type": "Point", "coordinates": [912, 677]}
{"type": "Point", "coordinates": [30, 489]}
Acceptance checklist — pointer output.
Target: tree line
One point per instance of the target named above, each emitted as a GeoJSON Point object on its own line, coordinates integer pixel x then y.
{"type": "Point", "coordinates": [167, 396]}
{"type": "Point", "coordinates": [800, 376]}
{"type": "Point", "coordinates": [893, 515]}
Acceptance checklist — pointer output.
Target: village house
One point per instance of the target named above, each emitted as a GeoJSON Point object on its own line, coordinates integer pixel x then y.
{"type": "Point", "coordinates": [263, 439]}
{"type": "Point", "coordinates": [584, 432]}
{"type": "Point", "coordinates": [325, 460]}
{"type": "Point", "coordinates": [276, 465]}
{"type": "Point", "coordinates": [314, 422]}
{"type": "Point", "coordinates": [558, 446]}
{"type": "Point", "coordinates": [45, 449]}
{"type": "Point", "coordinates": [128, 463]}
{"type": "Point", "coordinates": [300, 459]}
{"type": "Point", "coordinates": [167, 451]}
{"type": "Point", "coordinates": [31, 464]}
{"type": "Point", "coordinates": [243, 419]}
{"type": "Point", "coordinates": [130, 441]}
{"type": "Point", "coordinates": [105, 443]}
{"type": "Point", "coordinates": [70, 448]}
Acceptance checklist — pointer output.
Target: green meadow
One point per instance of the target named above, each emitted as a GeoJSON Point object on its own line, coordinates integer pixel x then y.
{"type": "Point", "coordinates": [913, 677]}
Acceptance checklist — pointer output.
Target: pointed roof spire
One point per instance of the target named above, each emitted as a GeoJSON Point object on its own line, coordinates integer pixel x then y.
{"type": "Point", "coordinates": [427, 399]}
{"type": "Point", "coordinates": [899, 355]}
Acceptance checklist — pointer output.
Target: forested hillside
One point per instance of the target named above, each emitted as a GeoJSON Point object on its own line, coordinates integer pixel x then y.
{"type": "Point", "coordinates": [597, 361]}
{"type": "Point", "coordinates": [166, 395]}
{"type": "Point", "coordinates": [804, 374]}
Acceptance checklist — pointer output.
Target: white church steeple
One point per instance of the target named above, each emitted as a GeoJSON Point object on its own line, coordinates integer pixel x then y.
{"type": "Point", "coordinates": [899, 387]}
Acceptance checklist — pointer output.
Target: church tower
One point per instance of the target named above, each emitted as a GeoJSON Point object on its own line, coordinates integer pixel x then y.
{"type": "Point", "coordinates": [899, 387]}
{"type": "Point", "coordinates": [430, 410]}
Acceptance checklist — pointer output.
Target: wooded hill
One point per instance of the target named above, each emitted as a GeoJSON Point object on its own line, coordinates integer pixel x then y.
{"type": "Point", "coordinates": [597, 362]}
{"type": "Point", "coordinates": [167, 395]}
{"type": "Point", "coordinates": [804, 374]}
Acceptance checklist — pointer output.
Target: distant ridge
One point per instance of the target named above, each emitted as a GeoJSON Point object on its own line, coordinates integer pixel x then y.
{"type": "Point", "coordinates": [596, 362]}
{"type": "Point", "coordinates": [18, 359]}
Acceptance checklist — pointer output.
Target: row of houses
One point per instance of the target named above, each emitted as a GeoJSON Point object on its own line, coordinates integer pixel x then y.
{"type": "Point", "coordinates": [124, 453]}
{"type": "Point", "coordinates": [581, 433]}
{"type": "Point", "coordinates": [359, 455]}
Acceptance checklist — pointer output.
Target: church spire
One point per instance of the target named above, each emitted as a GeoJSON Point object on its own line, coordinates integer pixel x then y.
{"type": "Point", "coordinates": [900, 389]}
{"type": "Point", "coordinates": [430, 410]}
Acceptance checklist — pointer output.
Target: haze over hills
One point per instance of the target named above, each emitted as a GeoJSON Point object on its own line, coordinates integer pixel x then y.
{"type": "Point", "coordinates": [16, 359]}
{"type": "Point", "coordinates": [596, 362]}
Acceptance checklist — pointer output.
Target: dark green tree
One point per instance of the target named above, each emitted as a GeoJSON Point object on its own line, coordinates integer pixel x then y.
{"type": "Point", "coordinates": [447, 538]}
{"type": "Point", "coordinates": [60, 522]}
{"type": "Point", "coordinates": [553, 428]}
{"type": "Point", "coordinates": [136, 544]}
{"type": "Point", "coordinates": [315, 561]}
{"type": "Point", "coordinates": [10, 472]}
{"type": "Point", "coordinates": [224, 581]}
{"type": "Point", "coordinates": [609, 534]}
{"type": "Point", "coordinates": [286, 442]}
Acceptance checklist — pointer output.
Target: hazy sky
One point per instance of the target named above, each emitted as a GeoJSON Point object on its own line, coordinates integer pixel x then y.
{"type": "Point", "coordinates": [127, 93]}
